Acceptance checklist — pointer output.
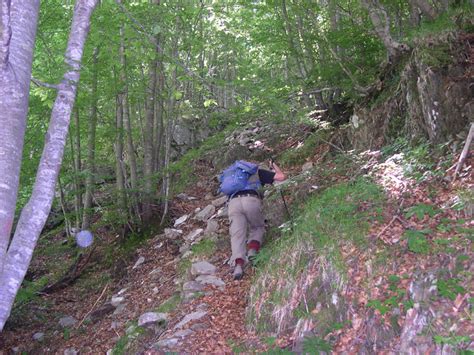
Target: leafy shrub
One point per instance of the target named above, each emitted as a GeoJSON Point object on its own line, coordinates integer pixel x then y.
{"type": "Point", "coordinates": [419, 161]}
{"type": "Point", "coordinates": [450, 288]}
{"type": "Point", "coordinates": [417, 242]}
{"type": "Point", "coordinates": [451, 340]}
{"type": "Point", "coordinates": [393, 281]}
{"type": "Point", "coordinates": [314, 345]}
{"type": "Point", "coordinates": [299, 154]}
{"type": "Point", "coordinates": [421, 210]}
{"type": "Point", "coordinates": [378, 305]}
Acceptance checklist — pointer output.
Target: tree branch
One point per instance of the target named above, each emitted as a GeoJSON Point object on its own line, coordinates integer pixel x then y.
{"type": "Point", "coordinates": [357, 86]}
{"type": "Point", "coordinates": [381, 22]}
{"type": "Point", "coordinates": [45, 85]}
{"type": "Point", "coordinates": [157, 45]}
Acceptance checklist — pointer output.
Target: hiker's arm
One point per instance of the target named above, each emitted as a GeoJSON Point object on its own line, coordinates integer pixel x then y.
{"type": "Point", "coordinates": [279, 175]}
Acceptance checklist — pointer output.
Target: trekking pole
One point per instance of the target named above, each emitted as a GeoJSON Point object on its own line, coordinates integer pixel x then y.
{"type": "Point", "coordinates": [287, 210]}
{"type": "Point", "coordinates": [283, 198]}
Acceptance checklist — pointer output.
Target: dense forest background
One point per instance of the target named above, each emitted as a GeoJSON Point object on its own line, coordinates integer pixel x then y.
{"type": "Point", "coordinates": [159, 78]}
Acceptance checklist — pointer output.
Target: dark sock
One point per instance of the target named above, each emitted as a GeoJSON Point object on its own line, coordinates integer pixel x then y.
{"type": "Point", "coordinates": [253, 244]}
{"type": "Point", "coordinates": [239, 261]}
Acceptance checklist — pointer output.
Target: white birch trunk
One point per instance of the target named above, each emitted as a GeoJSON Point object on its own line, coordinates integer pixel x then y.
{"type": "Point", "coordinates": [35, 213]}
{"type": "Point", "coordinates": [18, 21]}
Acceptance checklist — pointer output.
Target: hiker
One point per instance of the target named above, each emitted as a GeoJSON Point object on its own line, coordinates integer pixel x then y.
{"type": "Point", "coordinates": [242, 182]}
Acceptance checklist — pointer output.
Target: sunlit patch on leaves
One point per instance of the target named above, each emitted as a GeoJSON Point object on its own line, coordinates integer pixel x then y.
{"type": "Point", "coordinates": [210, 102]}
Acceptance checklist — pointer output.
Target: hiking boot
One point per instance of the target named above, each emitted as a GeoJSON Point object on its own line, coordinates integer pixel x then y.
{"type": "Point", "coordinates": [238, 272]}
{"type": "Point", "coordinates": [251, 255]}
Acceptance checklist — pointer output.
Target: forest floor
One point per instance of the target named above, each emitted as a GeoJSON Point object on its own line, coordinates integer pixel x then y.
{"type": "Point", "coordinates": [223, 328]}
{"type": "Point", "coordinates": [147, 287]}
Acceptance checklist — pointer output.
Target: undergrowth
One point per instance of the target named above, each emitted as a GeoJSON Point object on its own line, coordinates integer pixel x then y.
{"type": "Point", "coordinates": [292, 267]}
{"type": "Point", "coordinates": [170, 304]}
{"type": "Point", "coordinates": [183, 169]}
{"type": "Point", "coordinates": [297, 155]}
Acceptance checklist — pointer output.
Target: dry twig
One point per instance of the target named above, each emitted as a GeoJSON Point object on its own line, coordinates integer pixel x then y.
{"type": "Point", "coordinates": [93, 306]}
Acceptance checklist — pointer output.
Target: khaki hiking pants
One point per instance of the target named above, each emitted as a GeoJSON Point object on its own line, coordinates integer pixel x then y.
{"type": "Point", "coordinates": [245, 213]}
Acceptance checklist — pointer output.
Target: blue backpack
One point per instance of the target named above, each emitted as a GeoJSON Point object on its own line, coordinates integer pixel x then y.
{"type": "Point", "coordinates": [236, 178]}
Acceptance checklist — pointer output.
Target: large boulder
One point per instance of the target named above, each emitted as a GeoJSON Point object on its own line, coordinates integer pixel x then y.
{"type": "Point", "coordinates": [188, 131]}
{"type": "Point", "coordinates": [210, 280]}
{"type": "Point", "coordinates": [232, 153]}
{"type": "Point", "coordinates": [274, 209]}
{"type": "Point", "coordinates": [220, 201]}
{"type": "Point", "coordinates": [432, 102]}
{"type": "Point", "coordinates": [180, 220]}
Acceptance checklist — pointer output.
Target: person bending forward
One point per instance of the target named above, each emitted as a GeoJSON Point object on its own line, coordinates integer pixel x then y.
{"type": "Point", "coordinates": [247, 223]}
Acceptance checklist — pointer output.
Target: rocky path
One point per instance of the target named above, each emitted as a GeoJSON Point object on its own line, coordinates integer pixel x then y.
{"type": "Point", "coordinates": [126, 312]}
{"type": "Point", "coordinates": [210, 316]}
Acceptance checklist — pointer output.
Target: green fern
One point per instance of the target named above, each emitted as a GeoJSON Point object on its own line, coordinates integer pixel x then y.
{"type": "Point", "coordinates": [421, 210]}
{"type": "Point", "coordinates": [417, 242]}
{"type": "Point", "coordinates": [315, 345]}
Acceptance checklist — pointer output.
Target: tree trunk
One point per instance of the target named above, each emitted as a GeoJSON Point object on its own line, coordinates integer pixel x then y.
{"type": "Point", "coordinates": [165, 186]}
{"type": "Point", "coordinates": [306, 48]}
{"type": "Point", "coordinates": [17, 41]}
{"type": "Point", "coordinates": [119, 177]}
{"type": "Point", "coordinates": [148, 141]}
{"type": "Point", "coordinates": [159, 125]}
{"type": "Point", "coordinates": [381, 22]}
{"type": "Point", "coordinates": [425, 8]}
{"type": "Point", "coordinates": [159, 112]}
{"type": "Point", "coordinates": [90, 178]}
{"type": "Point", "coordinates": [75, 142]}
{"type": "Point", "coordinates": [123, 98]}
{"type": "Point", "coordinates": [293, 42]}
{"type": "Point", "coordinates": [62, 202]}
{"type": "Point", "coordinates": [36, 211]}
{"type": "Point", "coordinates": [414, 14]}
